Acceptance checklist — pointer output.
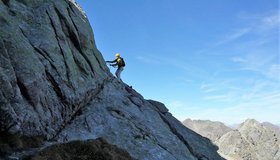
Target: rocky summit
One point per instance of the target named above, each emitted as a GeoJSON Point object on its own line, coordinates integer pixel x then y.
{"type": "Point", "coordinates": [56, 89]}
{"type": "Point", "coordinates": [250, 141]}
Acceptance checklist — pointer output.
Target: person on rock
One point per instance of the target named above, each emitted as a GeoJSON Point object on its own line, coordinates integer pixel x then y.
{"type": "Point", "coordinates": [118, 62]}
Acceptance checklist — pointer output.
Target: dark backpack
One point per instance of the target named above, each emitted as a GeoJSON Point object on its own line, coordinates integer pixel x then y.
{"type": "Point", "coordinates": [121, 62]}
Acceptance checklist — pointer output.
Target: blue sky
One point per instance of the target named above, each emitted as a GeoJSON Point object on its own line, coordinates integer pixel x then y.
{"type": "Point", "coordinates": [217, 60]}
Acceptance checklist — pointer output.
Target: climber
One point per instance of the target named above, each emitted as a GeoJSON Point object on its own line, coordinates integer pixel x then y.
{"type": "Point", "coordinates": [118, 62]}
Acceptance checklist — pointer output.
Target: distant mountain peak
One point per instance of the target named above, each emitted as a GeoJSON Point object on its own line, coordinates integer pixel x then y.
{"type": "Point", "coordinates": [251, 121]}
{"type": "Point", "coordinates": [210, 129]}
{"type": "Point", "coordinates": [251, 140]}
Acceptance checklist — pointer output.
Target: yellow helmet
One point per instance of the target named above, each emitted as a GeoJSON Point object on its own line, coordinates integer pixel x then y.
{"type": "Point", "coordinates": [118, 55]}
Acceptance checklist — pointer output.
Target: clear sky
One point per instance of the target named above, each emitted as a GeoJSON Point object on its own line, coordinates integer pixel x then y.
{"type": "Point", "coordinates": [216, 60]}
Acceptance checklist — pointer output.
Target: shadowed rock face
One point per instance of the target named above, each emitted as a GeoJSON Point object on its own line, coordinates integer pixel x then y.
{"type": "Point", "coordinates": [83, 150]}
{"type": "Point", "coordinates": [55, 85]}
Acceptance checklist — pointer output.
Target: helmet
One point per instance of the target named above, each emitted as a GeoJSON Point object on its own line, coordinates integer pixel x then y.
{"type": "Point", "coordinates": [118, 55]}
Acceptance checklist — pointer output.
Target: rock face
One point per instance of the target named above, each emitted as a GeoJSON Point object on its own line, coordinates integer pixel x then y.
{"type": "Point", "coordinates": [55, 86]}
{"type": "Point", "coordinates": [84, 150]}
{"type": "Point", "coordinates": [250, 141]}
{"type": "Point", "coordinates": [206, 128]}
{"type": "Point", "coordinates": [50, 66]}
{"type": "Point", "coordinates": [274, 128]}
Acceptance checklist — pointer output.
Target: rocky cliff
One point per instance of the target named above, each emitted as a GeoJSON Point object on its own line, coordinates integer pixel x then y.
{"type": "Point", "coordinates": [55, 87]}
{"type": "Point", "coordinates": [250, 141]}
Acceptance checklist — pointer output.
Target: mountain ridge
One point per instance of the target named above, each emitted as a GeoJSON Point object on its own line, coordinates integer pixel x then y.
{"type": "Point", "coordinates": [206, 127]}
{"type": "Point", "coordinates": [251, 140]}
